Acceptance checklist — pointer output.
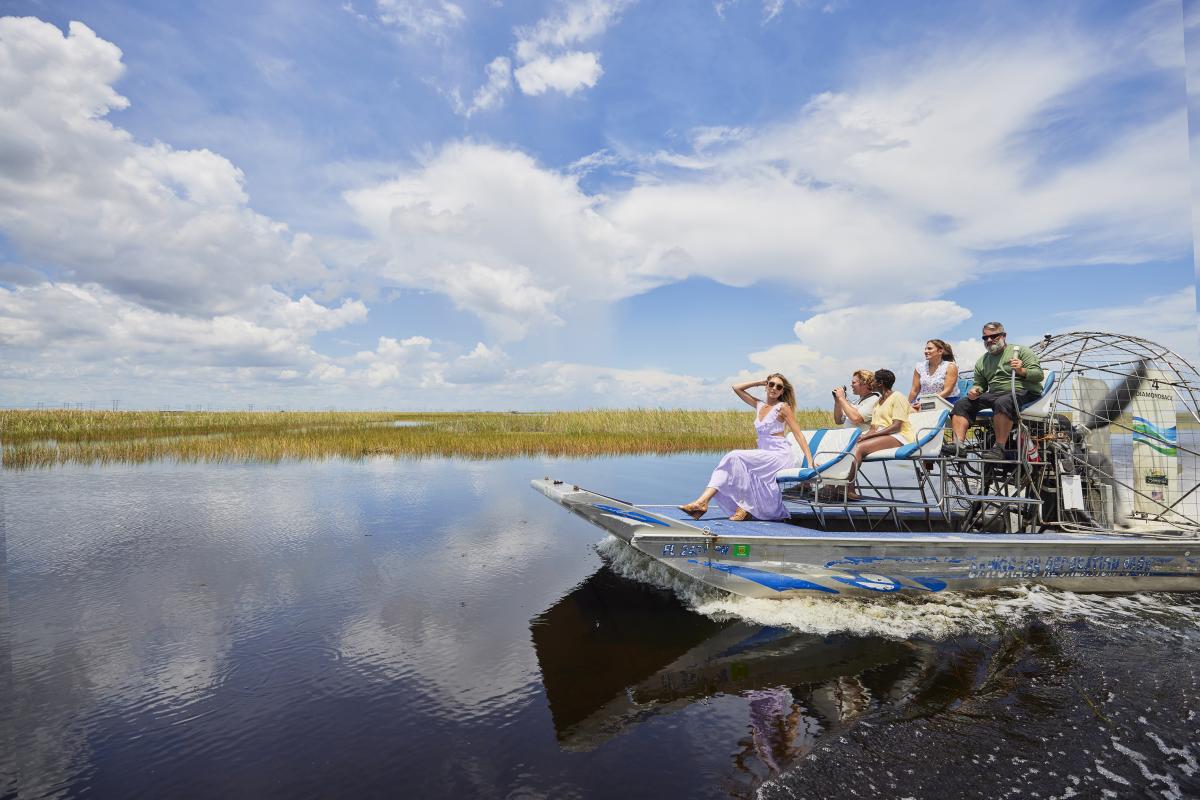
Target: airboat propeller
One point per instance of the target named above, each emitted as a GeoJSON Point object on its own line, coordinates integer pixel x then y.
{"type": "Point", "coordinates": [1117, 400]}
{"type": "Point", "coordinates": [1108, 410]}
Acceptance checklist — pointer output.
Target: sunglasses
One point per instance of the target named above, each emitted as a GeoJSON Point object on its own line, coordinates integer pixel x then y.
{"type": "Point", "coordinates": [773, 385]}
{"type": "Point", "coordinates": [987, 337]}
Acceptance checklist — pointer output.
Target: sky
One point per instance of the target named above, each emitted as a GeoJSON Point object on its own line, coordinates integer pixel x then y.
{"type": "Point", "coordinates": [436, 205]}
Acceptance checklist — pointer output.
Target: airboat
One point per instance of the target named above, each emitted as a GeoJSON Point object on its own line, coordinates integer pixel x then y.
{"type": "Point", "coordinates": [1100, 493]}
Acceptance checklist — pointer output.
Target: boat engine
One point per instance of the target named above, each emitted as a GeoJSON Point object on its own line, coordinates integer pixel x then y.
{"type": "Point", "coordinates": [1117, 433]}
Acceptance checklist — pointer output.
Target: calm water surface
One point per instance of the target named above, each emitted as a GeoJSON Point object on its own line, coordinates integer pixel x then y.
{"type": "Point", "coordinates": [437, 629]}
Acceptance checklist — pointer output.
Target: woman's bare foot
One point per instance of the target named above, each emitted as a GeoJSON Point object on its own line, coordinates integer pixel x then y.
{"type": "Point", "coordinates": [695, 510]}
{"type": "Point", "coordinates": [740, 515]}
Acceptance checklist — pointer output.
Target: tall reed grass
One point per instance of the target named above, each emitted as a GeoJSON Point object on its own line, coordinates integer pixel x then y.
{"type": "Point", "coordinates": [30, 439]}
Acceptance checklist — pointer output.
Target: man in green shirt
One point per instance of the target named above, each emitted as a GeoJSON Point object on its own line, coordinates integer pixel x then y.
{"type": "Point", "coordinates": [995, 373]}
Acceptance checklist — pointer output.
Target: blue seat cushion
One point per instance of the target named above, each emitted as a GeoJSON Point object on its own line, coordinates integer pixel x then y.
{"type": "Point", "coordinates": [800, 475]}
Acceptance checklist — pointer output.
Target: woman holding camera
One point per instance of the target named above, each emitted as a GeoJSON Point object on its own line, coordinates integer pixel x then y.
{"type": "Point", "coordinates": [857, 414]}
{"type": "Point", "coordinates": [889, 425]}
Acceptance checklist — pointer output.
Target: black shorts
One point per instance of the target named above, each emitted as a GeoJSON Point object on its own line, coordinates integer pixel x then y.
{"type": "Point", "coordinates": [1000, 402]}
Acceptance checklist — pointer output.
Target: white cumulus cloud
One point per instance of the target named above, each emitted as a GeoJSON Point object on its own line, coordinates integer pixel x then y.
{"type": "Point", "coordinates": [546, 56]}
{"type": "Point", "coordinates": [833, 344]}
{"type": "Point", "coordinates": [578, 21]}
{"type": "Point", "coordinates": [482, 365]}
{"type": "Point", "coordinates": [83, 323]}
{"type": "Point", "coordinates": [492, 93]}
{"type": "Point", "coordinates": [566, 73]}
{"type": "Point", "coordinates": [169, 228]}
{"type": "Point", "coordinates": [952, 139]}
{"type": "Point", "coordinates": [503, 237]}
{"type": "Point", "coordinates": [1168, 319]}
{"type": "Point", "coordinates": [421, 18]}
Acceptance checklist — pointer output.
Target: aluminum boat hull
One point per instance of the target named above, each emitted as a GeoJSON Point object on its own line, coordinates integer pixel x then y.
{"type": "Point", "coordinates": [782, 559]}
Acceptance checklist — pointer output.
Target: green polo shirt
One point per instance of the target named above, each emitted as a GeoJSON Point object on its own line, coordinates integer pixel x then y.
{"type": "Point", "coordinates": [992, 372]}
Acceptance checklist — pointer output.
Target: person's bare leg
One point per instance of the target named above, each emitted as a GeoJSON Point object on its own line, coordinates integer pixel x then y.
{"type": "Point", "coordinates": [852, 479]}
{"type": "Point", "coordinates": [862, 451]}
{"type": "Point", "coordinates": [959, 425]}
{"type": "Point", "coordinates": [698, 507]}
{"type": "Point", "coordinates": [1002, 425]}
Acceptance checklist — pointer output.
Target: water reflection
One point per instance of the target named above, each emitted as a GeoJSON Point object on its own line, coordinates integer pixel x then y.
{"type": "Point", "coordinates": [614, 654]}
{"type": "Point", "coordinates": [619, 659]}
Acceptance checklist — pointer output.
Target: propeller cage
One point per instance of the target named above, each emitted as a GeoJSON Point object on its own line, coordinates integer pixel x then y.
{"type": "Point", "coordinates": [1118, 433]}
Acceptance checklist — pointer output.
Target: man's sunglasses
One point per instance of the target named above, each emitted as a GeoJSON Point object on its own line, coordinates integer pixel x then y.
{"type": "Point", "coordinates": [987, 337]}
{"type": "Point", "coordinates": [773, 385]}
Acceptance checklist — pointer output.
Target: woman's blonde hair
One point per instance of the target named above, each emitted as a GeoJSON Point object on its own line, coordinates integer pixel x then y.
{"type": "Point", "coordinates": [865, 376]}
{"type": "Point", "coordinates": [789, 394]}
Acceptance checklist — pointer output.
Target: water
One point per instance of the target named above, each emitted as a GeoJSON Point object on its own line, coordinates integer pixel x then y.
{"type": "Point", "coordinates": [437, 629]}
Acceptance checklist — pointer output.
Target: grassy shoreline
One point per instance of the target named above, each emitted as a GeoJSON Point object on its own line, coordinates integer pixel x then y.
{"type": "Point", "coordinates": [39, 439]}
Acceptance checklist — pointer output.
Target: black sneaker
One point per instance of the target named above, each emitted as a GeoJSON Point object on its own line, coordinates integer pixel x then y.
{"type": "Point", "coordinates": [956, 449]}
{"type": "Point", "coordinates": [995, 454]}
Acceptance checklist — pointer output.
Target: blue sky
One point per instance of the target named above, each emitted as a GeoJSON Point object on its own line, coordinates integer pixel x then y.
{"type": "Point", "coordinates": [429, 204]}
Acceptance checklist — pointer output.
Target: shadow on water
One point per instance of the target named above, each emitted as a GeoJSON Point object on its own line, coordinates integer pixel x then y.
{"type": "Point", "coordinates": [615, 654]}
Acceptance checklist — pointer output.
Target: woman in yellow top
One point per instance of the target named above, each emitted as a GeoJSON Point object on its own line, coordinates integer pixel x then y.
{"type": "Point", "coordinates": [889, 424]}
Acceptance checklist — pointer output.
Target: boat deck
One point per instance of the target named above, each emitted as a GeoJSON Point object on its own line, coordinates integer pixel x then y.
{"type": "Point", "coordinates": [717, 524]}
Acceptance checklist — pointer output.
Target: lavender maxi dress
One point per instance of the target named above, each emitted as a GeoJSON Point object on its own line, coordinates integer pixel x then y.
{"type": "Point", "coordinates": [746, 478]}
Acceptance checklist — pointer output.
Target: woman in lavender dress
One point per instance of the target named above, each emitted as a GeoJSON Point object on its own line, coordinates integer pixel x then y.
{"type": "Point", "coordinates": [744, 482]}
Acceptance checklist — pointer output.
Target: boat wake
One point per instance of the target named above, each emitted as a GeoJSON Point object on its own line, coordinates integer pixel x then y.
{"type": "Point", "coordinates": [940, 616]}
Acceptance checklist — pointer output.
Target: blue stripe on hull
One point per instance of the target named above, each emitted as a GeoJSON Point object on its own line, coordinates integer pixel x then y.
{"type": "Point", "coordinates": [772, 580]}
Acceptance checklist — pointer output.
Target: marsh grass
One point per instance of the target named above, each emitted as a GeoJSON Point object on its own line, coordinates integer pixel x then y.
{"type": "Point", "coordinates": [46, 438]}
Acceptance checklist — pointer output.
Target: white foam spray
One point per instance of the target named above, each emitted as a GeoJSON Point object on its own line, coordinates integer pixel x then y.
{"type": "Point", "coordinates": [935, 616]}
